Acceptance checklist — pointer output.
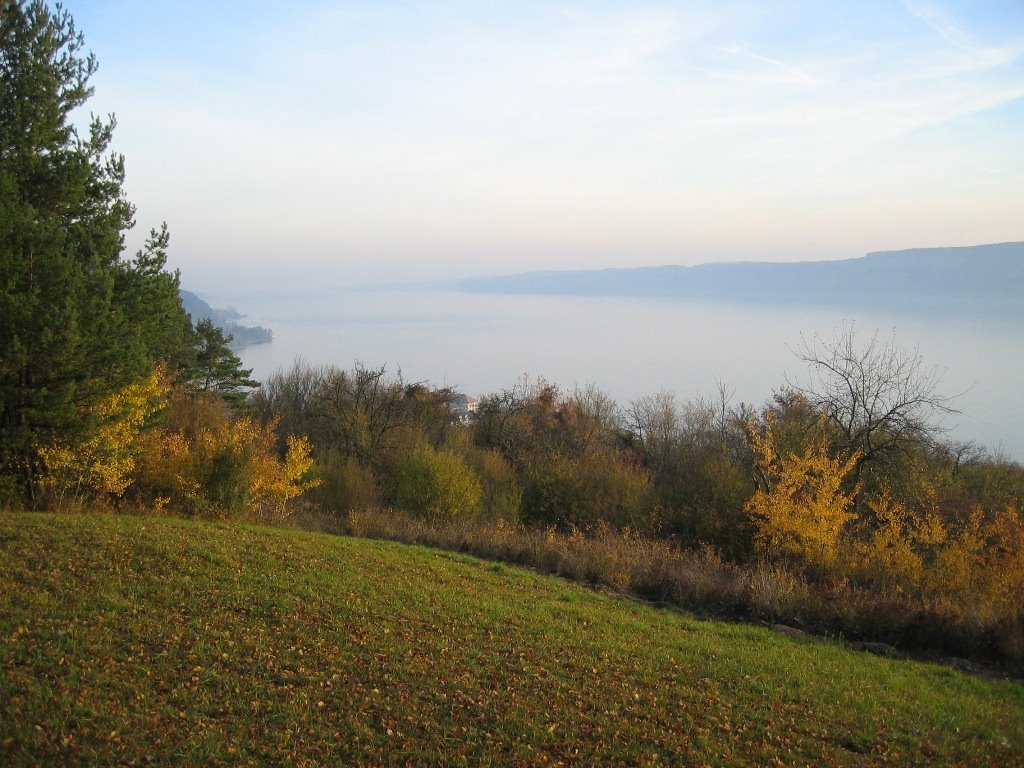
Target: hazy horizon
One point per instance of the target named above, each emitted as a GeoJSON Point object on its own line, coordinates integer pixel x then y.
{"type": "Point", "coordinates": [383, 141]}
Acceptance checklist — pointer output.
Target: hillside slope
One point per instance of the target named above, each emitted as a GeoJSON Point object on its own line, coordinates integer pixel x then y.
{"type": "Point", "coordinates": [135, 640]}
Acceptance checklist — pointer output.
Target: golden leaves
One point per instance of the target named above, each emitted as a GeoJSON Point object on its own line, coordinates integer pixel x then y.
{"type": "Point", "coordinates": [227, 467]}
{"type": "Point", "coordinates": [803, 510]}
{"type": "Point", "coordinates": [103, 461]}
{"type": "Point", "coordinates": [805, 513]}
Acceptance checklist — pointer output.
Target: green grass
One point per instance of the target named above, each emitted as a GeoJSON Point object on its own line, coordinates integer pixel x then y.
{"type": "Point", "coordinates": [133, 640]}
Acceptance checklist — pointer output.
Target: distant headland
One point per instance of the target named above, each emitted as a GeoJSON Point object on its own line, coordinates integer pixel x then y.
{"type": "Point", "coordinates": [227, 320]}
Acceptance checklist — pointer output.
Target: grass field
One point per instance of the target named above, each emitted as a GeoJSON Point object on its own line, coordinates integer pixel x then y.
{"type": "Point", "coordinates": [155, 641]}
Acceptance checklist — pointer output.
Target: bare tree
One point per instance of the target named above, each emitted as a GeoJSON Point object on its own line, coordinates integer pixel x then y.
{"type": "Point", "coordinates": [656, 421]}
{"type": "Point", "coordinates": [592, 417]}
{"type": "Point", "coordinates": [881, 398]}
{"type": "Point", "coordinates": [518, 421]}
{"type": "Point", "coordinates": [363, 407]}
{"type": "Point", "coordinates": [290, 396]}
{"type": "Point", "coordinates": [710, 421]}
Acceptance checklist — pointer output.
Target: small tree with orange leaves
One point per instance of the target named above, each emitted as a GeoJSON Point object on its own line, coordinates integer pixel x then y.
{"type": "Point", "coordinates": [800, 511]}
{"type": "Point", "coordinates": [225, 468]}
{"type": "Point", "coordinates": [276, 481]}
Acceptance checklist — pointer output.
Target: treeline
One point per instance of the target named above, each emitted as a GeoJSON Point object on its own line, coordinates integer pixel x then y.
{"type": "Point", "coordinates": [686, 470]}
{"type": "Point", "coordinates": [844, 481]}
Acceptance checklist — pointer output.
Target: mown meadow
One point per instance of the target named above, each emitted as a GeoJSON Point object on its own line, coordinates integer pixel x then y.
{"type": "Point", "coordinates": [138, 640]}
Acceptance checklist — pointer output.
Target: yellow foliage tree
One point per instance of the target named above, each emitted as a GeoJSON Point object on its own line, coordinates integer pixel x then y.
{"type": "Point", "coordinates": [957, 569]}
{"type": "Point", "coordinates": [972, 568]}
{"type": "Point", "coordinates": [276, 482]}
{"type": "Point", "coordinates": [895, 553]}
{"type": "Point", "coordinates": [103, 462]}
{"type": "Point", "coordinates": [226, 468]}
{"type": "Point", "coordinates": [801, 511]}
{"type": "Point", "coordinates": [1005, 566]}
{"type": "Point", "coordinates": [166, 469]}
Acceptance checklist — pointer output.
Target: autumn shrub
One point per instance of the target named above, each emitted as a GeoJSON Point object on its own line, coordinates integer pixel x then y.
{"type": "Point", "coordinates": [947, 566]}
{"type": "Point", "coordinates": [165, 472]}
{"type": "Point", "coordinates": [278, 480]}
{"type": "Point", "coordinates": [345, 484]}
{"type": "Point", "coordinates": [195, 458]}
{"type": "Point", "coordinates": [652, 568]}
{"type": "Point", "coordinates": [224, 463]}
{"type": "Point", "coordinates": [613, 557]}
{"type": "Point", "coordinates": [882, 568]}
{"type": "Point", "coordinates": [890, 554]}
{"type": "Point", "coordinates": [502, 495]}
{"type": "Point", "coordinates": [978, 570]}
{"type": "Point", "coordinates": [801, 510]}
{"type": "Point", "coordinates": [435, 485]}
{"type": "Point", "coordinates": [551, 496]}
{"type": "Point", "coordinates": [101, 462]}
{"type": "Point", "coordinates": [704, 492]}
{"type": "Point", "coordinates": [583, 492]}
{"type": "Point", "coordinates": [775, 592]}
{"type": "Point", "coordinates": [992, 482]}
{"type": "Point", "coordinates": [521, 422]}
{"type": "Point", "coordinates": [226, 475]}
{"type": "Point", "coordinates": [1004, 574]}
{"type": "Point", "coordinates": [700, 579]}
{"type": "Point", "coordinates": [225, 469]}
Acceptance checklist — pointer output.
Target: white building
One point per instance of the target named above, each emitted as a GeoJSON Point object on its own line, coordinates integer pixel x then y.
{"type": "Point", "coordinates": [465, 406]}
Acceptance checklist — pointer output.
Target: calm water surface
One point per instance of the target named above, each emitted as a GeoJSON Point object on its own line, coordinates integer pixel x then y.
{"type": "Point", "coordinates": [630, 347]}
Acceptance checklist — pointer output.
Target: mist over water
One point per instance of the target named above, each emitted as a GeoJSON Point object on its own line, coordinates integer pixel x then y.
{"type": "Point", "coordinates": [631, 347]}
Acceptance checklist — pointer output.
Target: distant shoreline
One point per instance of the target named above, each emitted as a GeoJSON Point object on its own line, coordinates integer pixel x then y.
{"type": "Point", "coordinates": [242, 335]}
{"type": "Point", "coordinates": [983, 279]}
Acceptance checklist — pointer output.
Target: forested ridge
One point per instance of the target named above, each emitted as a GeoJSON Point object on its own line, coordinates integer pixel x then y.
{"type": "Point", "coordinates": [979, 280]}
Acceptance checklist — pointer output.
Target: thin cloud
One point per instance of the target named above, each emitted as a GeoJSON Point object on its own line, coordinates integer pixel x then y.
{"type": "Point", "coordinates": [757, 68]}
{"type": "Point", "coordinates": [940, 22]}
{"type": "Point", "coordinates": [973, 56]}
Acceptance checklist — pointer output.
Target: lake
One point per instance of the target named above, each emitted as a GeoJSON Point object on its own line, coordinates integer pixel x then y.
{"type": "Point", "coordinates": [631, 347]}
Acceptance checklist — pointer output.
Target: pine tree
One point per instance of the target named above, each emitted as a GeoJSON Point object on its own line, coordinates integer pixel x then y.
{"type": "Point", "coordinates": [217, 369]}
{"type": "Point", "coordinates": [77, 322]}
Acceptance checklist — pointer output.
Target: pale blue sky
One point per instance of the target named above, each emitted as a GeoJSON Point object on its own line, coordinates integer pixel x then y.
{"type": "Point", "coordinates": [391, 140]}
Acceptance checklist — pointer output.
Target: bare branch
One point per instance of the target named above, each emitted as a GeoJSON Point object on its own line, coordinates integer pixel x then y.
{"type": "Point", "coordinates": [880, 396]}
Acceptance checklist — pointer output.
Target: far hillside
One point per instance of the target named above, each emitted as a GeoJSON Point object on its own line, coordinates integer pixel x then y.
{"type": "Point", "coordinates": [981, 278]}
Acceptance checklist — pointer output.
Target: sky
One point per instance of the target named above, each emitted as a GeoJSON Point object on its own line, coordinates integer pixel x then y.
{"type": "Point", "coordinates": [309, 142]}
